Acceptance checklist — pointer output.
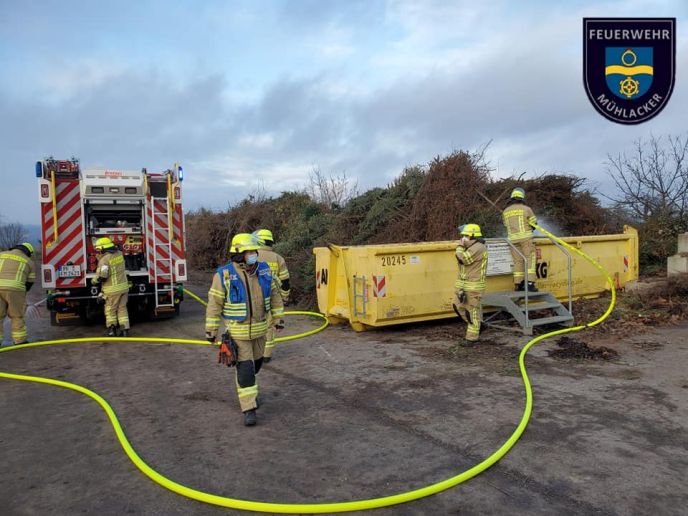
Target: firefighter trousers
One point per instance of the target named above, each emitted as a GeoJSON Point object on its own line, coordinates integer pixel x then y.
{"type": "Point", "coordinates": [527, 249]}
{"type": "Point", "coordinates": [116, 310]}
{"type": "Point", "coordinates": [471, 311]}
{"type": "Point", "coordinates": [13, 305]}
{"type": "Point", "coordinates": [248, 365]}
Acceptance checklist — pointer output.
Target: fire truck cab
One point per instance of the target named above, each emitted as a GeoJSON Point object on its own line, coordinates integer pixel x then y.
{"type": "Point", "coordinates": [140, 211]}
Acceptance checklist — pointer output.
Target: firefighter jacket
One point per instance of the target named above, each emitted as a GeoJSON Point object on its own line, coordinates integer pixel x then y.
{"type": "Point", "coordinates": [16, 270]}
{"type": "Point", "coordinates": [111, 272]}
{"type": "Point", "coordinates": [243, 299]}
{"type": "Point", "coordinates": [278, 267]}
{"type": "Point", "coordinates": [518, 219]}
{"type": "Point", "coordinates": [472, 266]}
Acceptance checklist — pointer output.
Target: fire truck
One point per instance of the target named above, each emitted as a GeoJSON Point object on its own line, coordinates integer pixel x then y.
{"type": "Point", "coordinates": [140, 211]}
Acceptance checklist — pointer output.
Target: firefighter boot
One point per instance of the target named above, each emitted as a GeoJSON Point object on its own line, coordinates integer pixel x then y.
{"type": "Point", "coordinates": [124, 332]}
{"type": "Point", "coordinates": [520, 287]}
{"type": "Point", "coordinates": [250, 417]}
{"type": "Point", "coordinates": [532, 287]}
{"type": "Point", "coordinates": [112, 331]}
{"type": "Point", "coordinates": [266, 360]}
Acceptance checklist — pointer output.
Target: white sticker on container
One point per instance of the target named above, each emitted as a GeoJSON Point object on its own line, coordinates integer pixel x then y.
{"type": "Point", "coordinates": [499, 259]}
{"type": "Point", "coordinates": [415, 260]}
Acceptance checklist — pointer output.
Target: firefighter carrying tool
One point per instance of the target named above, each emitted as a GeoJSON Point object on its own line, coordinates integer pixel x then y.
{"type": "Point", "coordinates": [115, 287]}
{"type": "Point", "coordinates": [279, 270]}
{"type": "Point", "coordinates": [17, 276]}
{"type": "Point", "coordinates": [244, 294]}
{"type": "Point", "coordinates": [519, 220]}
{"type": "Point", "coordinates": [471, 254]}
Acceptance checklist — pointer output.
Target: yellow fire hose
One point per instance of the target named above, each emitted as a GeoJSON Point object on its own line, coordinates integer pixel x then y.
{"type": "Point", "coordinates": [356, 505]}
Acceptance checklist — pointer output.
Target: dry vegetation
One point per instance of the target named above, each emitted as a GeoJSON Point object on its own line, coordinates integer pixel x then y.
{"type": "Point", "coordinates": [422, 204]}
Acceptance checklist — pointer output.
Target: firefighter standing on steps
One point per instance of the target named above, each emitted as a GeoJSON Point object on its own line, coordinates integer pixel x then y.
{"type": "Point", "coordinates": [17, 276]}
{"type": "Point", "coordinates": [471, 253]}
{"type": "Point", "coordinates": [519, 219]}
{"type": "Point", "coordinates": [111, 272]}
{"type": "Point", "coordinates": [245, 295]}
{"type": "Point", "coordinates": [279, 270]}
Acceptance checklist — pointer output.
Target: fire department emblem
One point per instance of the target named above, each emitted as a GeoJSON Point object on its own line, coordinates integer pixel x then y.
{"type": "Point", "coordinates": [629, 66]}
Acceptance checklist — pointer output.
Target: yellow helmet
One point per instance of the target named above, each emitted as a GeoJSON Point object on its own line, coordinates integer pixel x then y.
{"type": "Point", "coordinates": [470, 230]}
{"type": "Point", "coordinates": [263, 235]}
{"type": "Point", "coordinates": [243, 242]}
{"type": "Point", "coordinates": [518, 193]}
{"type": "Point", "coordinates": [103, 243]}
{"type": "Point", "coordinates": [28, 247]}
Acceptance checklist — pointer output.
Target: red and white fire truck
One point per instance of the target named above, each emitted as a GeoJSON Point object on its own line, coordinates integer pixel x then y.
{"type": "Point", "coordinates": [140, 211]}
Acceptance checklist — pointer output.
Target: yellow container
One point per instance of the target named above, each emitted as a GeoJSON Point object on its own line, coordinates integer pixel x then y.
{"type": "Point", "coordinates": [380, 285]}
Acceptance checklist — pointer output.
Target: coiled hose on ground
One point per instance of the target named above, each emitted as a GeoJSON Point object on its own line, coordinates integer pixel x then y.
{"type": "Point", "coordinates": [305, 508]}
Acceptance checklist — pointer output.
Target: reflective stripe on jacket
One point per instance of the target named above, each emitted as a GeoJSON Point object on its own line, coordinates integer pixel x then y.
{"type": "Point", "coordinates": [243, 300]}
{"type": "Point", "coordinates": [277, 265]}
{"type": "Point", "coordinates": [518, 219]}
{"type": "Point", "coordinates": [112, 272]}
{"type": "Point", "coordinates": [16, 270]}
{"type": "Point", "coordinates": [472, 266]}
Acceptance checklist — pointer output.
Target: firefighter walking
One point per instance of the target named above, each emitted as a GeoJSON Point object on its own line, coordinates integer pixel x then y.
{"type": "Point", "coordinates": [245, 295]}
{"type": "Point", "coordinates": [519, 220]}
{"type": "Point", "coordinates": [17, 276]}
{"type": "Point", "coordinates": [471, 254]}
{"type": "Point", "coordinates": [279, 270]}
{"type": "Point", "coordinates": [112, 274]}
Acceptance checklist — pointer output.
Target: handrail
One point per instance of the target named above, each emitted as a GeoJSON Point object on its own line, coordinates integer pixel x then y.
{"type": "Point", "coordinates": [525, 269]}
{"type": "Point", "coordinates": [170, 207]}
{"type": "Point", "coordinates": [55, 232]}
{"type": "Point", "coordinates": [570, 282]}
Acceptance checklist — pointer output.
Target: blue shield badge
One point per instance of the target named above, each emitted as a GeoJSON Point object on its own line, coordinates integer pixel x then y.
{"type": "Point", "coordinates": [629, 66]}
{"type": "Point", "coordinates": [628, 71]}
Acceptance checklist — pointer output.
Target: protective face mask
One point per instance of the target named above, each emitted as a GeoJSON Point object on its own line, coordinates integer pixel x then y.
{"type": "Point", "coordinates": [251, 259]}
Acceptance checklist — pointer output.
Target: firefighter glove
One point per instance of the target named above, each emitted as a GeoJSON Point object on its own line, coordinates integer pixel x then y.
{"type": "Point", "coordinates": [279, 325]}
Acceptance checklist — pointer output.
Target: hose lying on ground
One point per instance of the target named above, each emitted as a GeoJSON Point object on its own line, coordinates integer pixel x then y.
{"type": "Point", "coordinates": [356, 505]}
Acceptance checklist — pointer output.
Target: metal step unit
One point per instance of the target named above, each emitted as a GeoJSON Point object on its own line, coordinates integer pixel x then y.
{"type": "Point", "coordinates": [521, 305]}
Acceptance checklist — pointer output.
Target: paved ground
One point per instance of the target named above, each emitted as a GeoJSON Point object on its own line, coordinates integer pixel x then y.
{"type": "Point", "coordinates": [347, 416]}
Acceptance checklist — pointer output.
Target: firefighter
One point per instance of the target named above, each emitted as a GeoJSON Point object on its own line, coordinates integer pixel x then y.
{"type": "Point", "coordinates": [519, 220]}
{"type": "Point", "coordinates": [245, 294]}
{"type": "Point", "coordinates": [279, 270]}
{"type": "Point", "coordinates": [111, 273]}
{"type": "Point", "coordinates": [471, 253]}
{"type": "Point", "coordinates": [17, 276]}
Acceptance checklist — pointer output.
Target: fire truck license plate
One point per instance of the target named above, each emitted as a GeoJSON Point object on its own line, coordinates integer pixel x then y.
{"type": "Point", "coordinates": [69, 271]}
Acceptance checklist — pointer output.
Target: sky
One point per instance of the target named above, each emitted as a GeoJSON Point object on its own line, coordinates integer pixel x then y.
{"type": "Point", "coordinates": [253, 95]}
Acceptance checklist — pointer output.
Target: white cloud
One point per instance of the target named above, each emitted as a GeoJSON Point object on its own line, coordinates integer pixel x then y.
{"type": "Point", "coordinates": [345, 87]}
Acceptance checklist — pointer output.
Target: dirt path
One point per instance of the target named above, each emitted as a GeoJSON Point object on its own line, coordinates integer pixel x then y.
{"type": "Point", "coordinates": [348, 416]}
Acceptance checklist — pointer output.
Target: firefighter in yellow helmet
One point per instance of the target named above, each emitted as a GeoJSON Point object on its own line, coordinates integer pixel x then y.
{"type": "Point", "coordinates": [111, 273]}
{"type": "Point", "coordinates": [519, 219]}
{"type": "Point", "coordinates": [246, 295]}
{"type": "Point", "coordinates": [17, 276]}
{"type": "Point", "coordinates": [279, 270]}
{"type": "Point", "coordinates": [471, 253]}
